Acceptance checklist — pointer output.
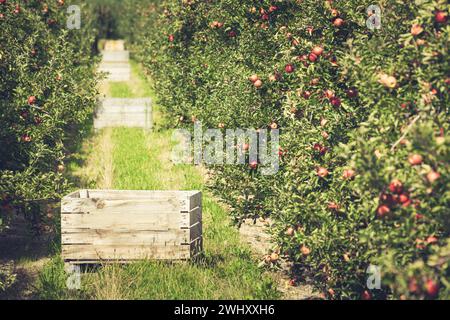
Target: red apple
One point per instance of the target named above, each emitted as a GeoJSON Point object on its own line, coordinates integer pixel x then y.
{"type": "Point", "coordinates": [432, 240]}
{"type": "Point", "coordinates": [329, 93]}
{"type": "Point", "coordinates": [440, 17]}
{"type": "Point", "coordinates": [306, 94]}
{"type": "Point", "coordinates": [335, 102]}
{"type": "Point", "coordinates": [315, 81]}
{"type": "Point", "coordinates": [289, 68]}
{"type": "Point", "coordinates": [32, 100]}
{"type": "Point", "coordinates": [290, 232]}
{"type": "Point", "coordinates": [366, 295]}
{"type": "Point", "coordinates": [322, 172]}
{"type": "Point", "coordinates": [333, 206]}
{"type": "Point", "coordinates": [416, 29]}
{"type": "Point", "coordinates": [338, 22]}
{"type": "Point", "coordinates": [403, 198]}
{"type": "Point", "coordinates": [273, 8]}
{"type": "Point", "coordinates": [432, 288]}
{"type": "Point", "coordinates": [312, 57]}
{"type": "Point", "coordinates": [274, 257]}
{"type": "Point", "coordinates": [317, 50]}
{"type": "Point", "coordinates": [433, 176]}
{"type": "Point", "coordinates": [305, 251]}
{"type": "Point", "coordinates": [352, 93]}
{"type": "Point", "coordinates": [26, 138]}
{"type": "Point", "coordinates": [415, 159]}
{"type": "Point", "coordinates": [254, 164]}
{"type": "Point", "coordinates": [258, 83]}
{"type": "Point", "coordinates": [171, 38]}
{"type": "Point", "coordinates": [348, 174]}
{"type": "Point", "coordinates": [413, 286]}
{"type": "Point", "coordinates": [396, 186]}
{"type": "Point", "coordinates": [253, 78]}
{"type": "Point", "coordinates": [383, 211]}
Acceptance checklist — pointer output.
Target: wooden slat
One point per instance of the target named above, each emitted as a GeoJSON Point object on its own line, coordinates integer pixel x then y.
{"type": "Point", "coordinates": [196, 230]}
{"type": "Point", "coordinates": [115, 56]}
{"type": "Point", "coordinates": [84, 194]}
{"type": "Point", "coordinates": [195, 216]}
{"type": "Point", "coordinates": [117, 102]}
{"type": "Point", "coordinates": [121, 221]}
{"type": "Point", "coordinates": [117, 110]}
{"type": "Point", "coordinates": [93, 205]}
{"type": "Point", "coordinates": [136, 194]}
{"type": "Point", "coordinates": [195, 200]}
{"type": "Point", "coordinates": [121, 252]}
{"type": "Point", "coordinates": [110, 237]}
{"type": "Point", "coordinates": [190, 218]}
{"type": "Point", "coordinates": [196, 246]}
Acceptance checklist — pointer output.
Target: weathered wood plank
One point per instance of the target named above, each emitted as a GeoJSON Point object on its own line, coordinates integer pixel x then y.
{"type": "Point", "coordinates": [196, 230]}
{"type": "Point", "coordinates": [122, 252]}
{"type": "Point", "coordinates": [114, 45]}
{"type": "Point", "coordinates": [132, 237]}
{"type": "Point", "coordinates": [190, 218]}
{"type": "Point", "coordinates": [136, 194]}
{"type": "Point", "coordinates": [195, 200]}
{"type": "Point", "coordinates": [93, 205]}
{"type": "Point", "coordinates": [115, 56]}
{"type": "Point", "coordinates": [196, 246]}
{"type": "Point", "coordinates": [131, 102]}
{"type": "Point", "coordinates": [114, 112]}
{"type": "Point", "coordinates": [121, 221]}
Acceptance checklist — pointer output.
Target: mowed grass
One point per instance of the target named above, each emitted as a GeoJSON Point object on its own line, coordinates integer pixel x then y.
{"type": "Point", "coordinates": [141, 161]}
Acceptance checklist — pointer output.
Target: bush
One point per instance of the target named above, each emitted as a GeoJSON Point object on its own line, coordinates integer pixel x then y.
{"type": "Point", "coordinates": [364, 116]}
{"type": "Point", "coordinates": [48, 91]}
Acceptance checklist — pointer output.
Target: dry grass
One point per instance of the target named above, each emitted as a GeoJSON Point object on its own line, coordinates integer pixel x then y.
{"type": "Point", "coordinates": [98, 168]}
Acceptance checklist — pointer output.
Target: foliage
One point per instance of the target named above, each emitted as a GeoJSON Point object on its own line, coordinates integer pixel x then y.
{"type": "Point", "coordinates": [48, 91]}
{"type": "Point", "coordinates": [364, 116]}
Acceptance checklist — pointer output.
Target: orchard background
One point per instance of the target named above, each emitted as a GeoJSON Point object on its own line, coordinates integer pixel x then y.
{"type": "Point", "coordinates": [364, 117]}
{"type": "Point", "coordinates": [48, 92]}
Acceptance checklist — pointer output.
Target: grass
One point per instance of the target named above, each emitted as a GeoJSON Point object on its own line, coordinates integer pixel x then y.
{"type": "Point", "coordinates": [137, 160]}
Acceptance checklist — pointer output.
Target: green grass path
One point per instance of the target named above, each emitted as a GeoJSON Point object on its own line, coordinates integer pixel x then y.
{"type": "Point", "coordinates": [141, 161]}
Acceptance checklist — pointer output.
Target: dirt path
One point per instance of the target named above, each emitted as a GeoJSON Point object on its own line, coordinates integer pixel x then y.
{"type": "Point", "coordinates": [256, 235]}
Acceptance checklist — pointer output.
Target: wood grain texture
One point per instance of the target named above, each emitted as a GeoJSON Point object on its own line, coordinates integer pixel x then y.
{"type": "Point", "coordinates": [116, 112]}
{"type": "Point", "coordinates": [103, 225]}
{"type": "Point", "coordinates": [125, 252]}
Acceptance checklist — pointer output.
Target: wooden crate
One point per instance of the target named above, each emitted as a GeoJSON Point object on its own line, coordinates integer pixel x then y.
{"type": "Point", "coordinates": [118, 112]}
{"type": "Point", "coordinates": [99, 226]}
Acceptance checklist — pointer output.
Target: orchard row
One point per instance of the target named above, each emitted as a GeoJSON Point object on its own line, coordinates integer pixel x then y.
{"type": "Point", "coordinates": [364, 118]}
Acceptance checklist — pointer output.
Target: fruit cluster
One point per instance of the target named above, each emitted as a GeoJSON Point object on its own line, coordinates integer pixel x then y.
{"type": "Point", "coordinates": [364, 114]}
